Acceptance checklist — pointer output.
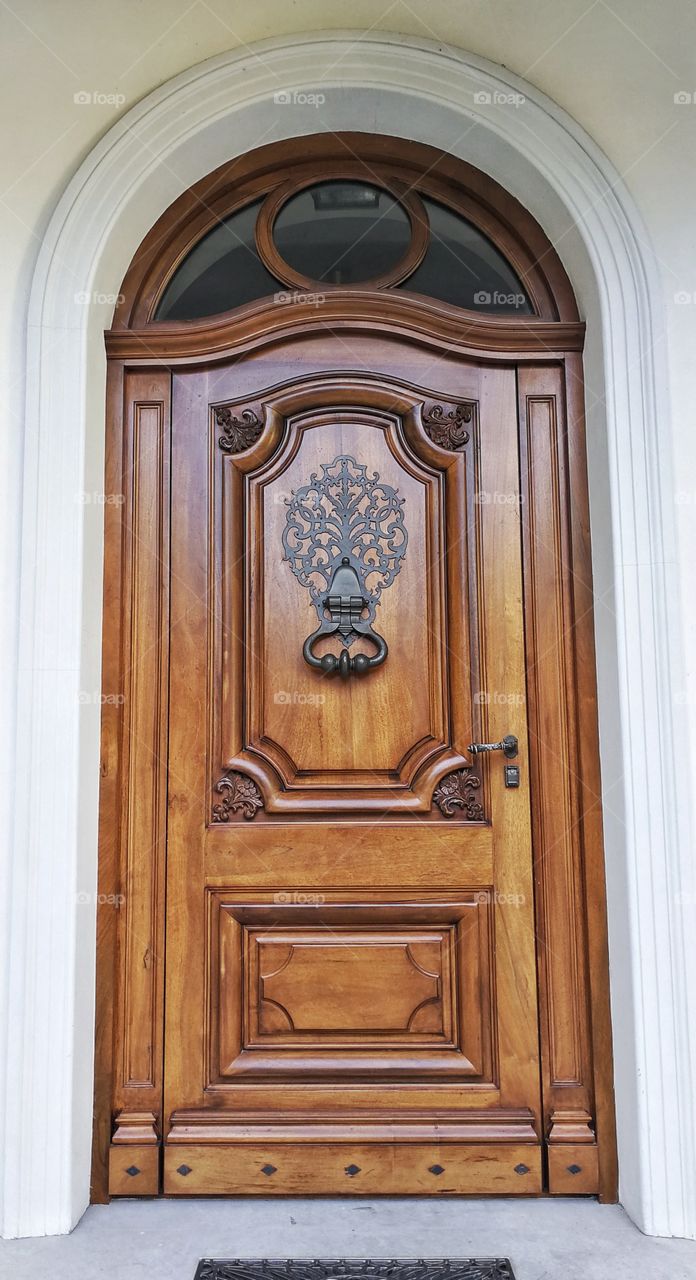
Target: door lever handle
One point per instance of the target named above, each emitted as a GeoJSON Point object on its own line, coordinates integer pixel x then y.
{"type": "Point", "coordinates": [508, 745]}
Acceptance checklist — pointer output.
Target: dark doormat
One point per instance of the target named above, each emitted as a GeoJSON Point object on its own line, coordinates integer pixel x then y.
{"type": "Point", "coordinates": [354, 1269]}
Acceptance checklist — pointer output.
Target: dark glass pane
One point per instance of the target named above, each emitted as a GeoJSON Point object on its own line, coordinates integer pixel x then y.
{"type": "Point", "coordinates": [222, 271]}
{"type": "Point", "coordinates": [342, 232]}
{"type": "Point", "coordinates": [463, 267]}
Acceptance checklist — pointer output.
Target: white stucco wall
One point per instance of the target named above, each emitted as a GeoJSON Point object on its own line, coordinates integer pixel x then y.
{"type": "Point", "coordinates": [615, 70]}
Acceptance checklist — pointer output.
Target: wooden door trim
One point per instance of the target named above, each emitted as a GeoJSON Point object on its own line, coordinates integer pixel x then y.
{"type": "Point", "coordinates": [130, 904]}
{"type": "Point", "coordinates": [321, 1168]}
{"type": "Point", "coordinates": [573, 962]}
{"type": "Point", "coordinates": [353, 311]}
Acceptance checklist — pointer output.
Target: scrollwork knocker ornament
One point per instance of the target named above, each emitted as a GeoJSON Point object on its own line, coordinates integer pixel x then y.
{"type": "Point", "coordinates": [345, 540]}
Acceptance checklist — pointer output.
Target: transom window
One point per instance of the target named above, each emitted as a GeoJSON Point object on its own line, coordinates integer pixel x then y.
{"type": "Point", "coordinates": [311, 236]}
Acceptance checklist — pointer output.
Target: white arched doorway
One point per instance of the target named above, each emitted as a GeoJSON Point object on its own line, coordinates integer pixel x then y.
{"type": "Point", "coordinates": [176, 136]}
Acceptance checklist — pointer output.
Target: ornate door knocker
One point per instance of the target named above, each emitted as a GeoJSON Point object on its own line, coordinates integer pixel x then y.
{"type": "Point", "coordinates": [345, 539]}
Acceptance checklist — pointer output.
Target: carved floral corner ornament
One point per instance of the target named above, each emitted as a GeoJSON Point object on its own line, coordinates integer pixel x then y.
{"type": "Point", "coordinates": [459, 791]}
{"type": "Point", "coordinates": [240, 797]}
{"type": "Point", "coordinates": [447, 428]}
{"type": "Point", "coordinates": [239, 431]}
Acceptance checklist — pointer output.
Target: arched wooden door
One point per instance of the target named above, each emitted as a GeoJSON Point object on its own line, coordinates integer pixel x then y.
{"type": "Point", "coordinates": [350, 789]}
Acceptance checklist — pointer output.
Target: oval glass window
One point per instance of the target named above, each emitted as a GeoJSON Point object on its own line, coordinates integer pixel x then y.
{"type": "Point", "coordinates": [463, 267]}
{"type": "Point", "coordinates": [342, 232]}
{"type": "Point", "coordinates": [221, 272]}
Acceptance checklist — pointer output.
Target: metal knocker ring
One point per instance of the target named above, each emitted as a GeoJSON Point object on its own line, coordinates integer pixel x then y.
{"type": "Point", "coordinates": [345, 605]}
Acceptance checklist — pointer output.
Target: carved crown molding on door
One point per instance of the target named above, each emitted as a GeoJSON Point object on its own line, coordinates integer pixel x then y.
{"type": "Point", "coordinates": [352, 311]}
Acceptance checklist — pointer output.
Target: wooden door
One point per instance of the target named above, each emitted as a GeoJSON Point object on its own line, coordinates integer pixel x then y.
{"type": "Point", "coordinates": [350, 944]}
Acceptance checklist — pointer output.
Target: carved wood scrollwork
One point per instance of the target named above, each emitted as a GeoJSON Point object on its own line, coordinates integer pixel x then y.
{"type": "Point", "coordinates": [459, 791]}
{"type": "Point", "coordinates": [240, 796]}
{"type": "Point", "coordinates": [239, 431]}
{"type": "Point", "coordinates": [446, 427]}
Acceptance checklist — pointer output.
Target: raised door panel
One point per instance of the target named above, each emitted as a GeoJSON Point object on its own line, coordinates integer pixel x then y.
{"type": "Point", "coordinates": [371, 486]}
{"type": "Point", "coordinates": [356, 990]}
{"type": "Point", "coordinates": [305, 512]}
{"type": "Point", "coordinates": [353, 986]}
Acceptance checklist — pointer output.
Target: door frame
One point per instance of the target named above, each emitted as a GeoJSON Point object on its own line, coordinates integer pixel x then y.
{"type": "Point", "coordinates": [577, 1073]}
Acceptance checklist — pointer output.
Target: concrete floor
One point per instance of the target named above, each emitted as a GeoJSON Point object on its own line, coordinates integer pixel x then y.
{"type": "Point", "coordinates": [545, 1239]}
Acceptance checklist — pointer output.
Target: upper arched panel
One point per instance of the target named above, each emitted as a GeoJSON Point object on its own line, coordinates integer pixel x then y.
{"type": "Point", "coordinates": [335, 212]}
